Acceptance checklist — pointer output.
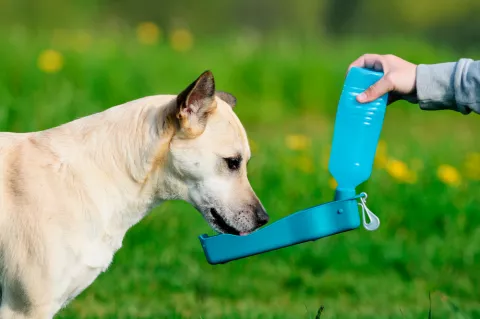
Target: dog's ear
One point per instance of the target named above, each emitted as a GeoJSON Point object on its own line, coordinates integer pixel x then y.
{"type": "Point", "coordinates": [195, 103]}
{"type": "Point", "coordinates": [227, 97]}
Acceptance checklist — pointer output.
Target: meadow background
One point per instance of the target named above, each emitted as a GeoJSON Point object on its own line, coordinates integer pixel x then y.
{"type": "Point", "coordinates": [285, 61]}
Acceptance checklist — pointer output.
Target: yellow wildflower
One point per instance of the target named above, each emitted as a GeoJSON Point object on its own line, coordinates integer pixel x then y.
{"type": "Point", "coordinates": [449, 175]}
{"type": "Point", "coordinates": [400, 171]}
{"type": "Point", "coordinates": [472, 166]}
{"type": "Point", "coordinates": [381, 155]}
{"type": "Point", "coordinates": [148, 33]}
{"type": "Point", "coordinates": [397, 169]}
{"type": "Point", "coordinates": [181, 40]}
{"type": "Point", "coordinates": [297, 142]}
{"type": "Point", "coordinates": [50, 61]}
{"type": "Point", "coordinates": [332, 183]}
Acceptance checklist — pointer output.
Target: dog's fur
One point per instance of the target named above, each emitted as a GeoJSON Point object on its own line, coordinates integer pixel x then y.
{"type": "Point", "coordinates": [70, 193]}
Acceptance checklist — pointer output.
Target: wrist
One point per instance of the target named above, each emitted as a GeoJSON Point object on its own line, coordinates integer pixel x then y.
{"type": "Point", "coordinates": [412, 95]}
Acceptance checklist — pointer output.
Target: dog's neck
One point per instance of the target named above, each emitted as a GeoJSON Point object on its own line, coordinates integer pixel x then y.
{"type": "Point", "coordinates": [119, 157]}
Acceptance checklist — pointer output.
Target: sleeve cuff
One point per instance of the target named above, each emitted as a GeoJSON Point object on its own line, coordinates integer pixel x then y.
{"type": "Point", "coordinates": [435, 86]}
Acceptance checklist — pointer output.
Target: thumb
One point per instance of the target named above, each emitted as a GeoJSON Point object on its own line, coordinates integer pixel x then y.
{"type": "Point", "coordinates": [375, 91]}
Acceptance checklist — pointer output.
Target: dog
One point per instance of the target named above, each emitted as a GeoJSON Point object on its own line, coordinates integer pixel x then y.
{"type": "Point", "coordinates": [69, 194]}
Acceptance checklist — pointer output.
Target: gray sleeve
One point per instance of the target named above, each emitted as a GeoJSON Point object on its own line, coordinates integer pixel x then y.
{"type": "Point", "coordinates": [449, 86]}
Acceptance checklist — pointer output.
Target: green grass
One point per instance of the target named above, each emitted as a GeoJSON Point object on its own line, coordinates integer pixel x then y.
{"type": "Point", "coordinates": [429, 239]}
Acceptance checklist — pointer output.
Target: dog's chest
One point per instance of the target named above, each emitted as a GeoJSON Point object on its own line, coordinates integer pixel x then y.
{"type": "Point", "coordinates": [98, 256]}
{"type": "Point", "coordinates": [81, 276]}
{"type": "Point", "coordinates": [84, 266]}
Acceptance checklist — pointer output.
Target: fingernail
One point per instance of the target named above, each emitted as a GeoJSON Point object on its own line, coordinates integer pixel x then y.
{"type": "Point", "coordinates": [361, 97]}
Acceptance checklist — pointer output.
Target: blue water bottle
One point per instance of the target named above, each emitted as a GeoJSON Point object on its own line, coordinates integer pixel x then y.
{"type": "Point", "coordinates": [356, 133]}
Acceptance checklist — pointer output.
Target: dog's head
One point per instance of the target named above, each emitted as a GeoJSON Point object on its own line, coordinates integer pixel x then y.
{"type": "Point", "coordinates": [207, 159]}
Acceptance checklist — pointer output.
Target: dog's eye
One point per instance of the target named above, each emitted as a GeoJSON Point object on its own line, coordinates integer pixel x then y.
{"type": "Point", "coordinates": [233, 163]}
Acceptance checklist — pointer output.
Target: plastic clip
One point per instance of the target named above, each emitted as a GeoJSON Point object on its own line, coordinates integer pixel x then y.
{"type": "Point", "coordinates": [374, 220]}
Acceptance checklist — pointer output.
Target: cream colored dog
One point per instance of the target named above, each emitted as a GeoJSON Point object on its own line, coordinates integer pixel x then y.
{"type": "Point", "coordinates": [69, 194]}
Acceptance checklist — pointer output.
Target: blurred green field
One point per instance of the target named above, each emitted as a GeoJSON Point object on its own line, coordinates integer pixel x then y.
{"type": "Point", "coordinates": [424, 188]}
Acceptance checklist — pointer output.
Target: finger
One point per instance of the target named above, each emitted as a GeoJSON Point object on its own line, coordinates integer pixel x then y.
{"type": "Point", "coordinates": [359, 62]}
{"type": "Point", "coordinates": [379, 88]}
{"type": "Point", "coordinates": [375, 62]}
{"type": "Point", "coordinates": [369, 61]}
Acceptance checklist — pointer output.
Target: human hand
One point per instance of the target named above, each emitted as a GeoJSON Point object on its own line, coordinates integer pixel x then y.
{"type": "Point", "coordinates": [399, 77]}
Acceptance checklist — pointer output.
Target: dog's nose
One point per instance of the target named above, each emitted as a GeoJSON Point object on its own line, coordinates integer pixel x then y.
{"type": "Point", "coordinates": [262, 216]}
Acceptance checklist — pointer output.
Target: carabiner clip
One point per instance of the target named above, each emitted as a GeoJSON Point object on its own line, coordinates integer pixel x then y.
{"type": "Point", "coordinates": [374, 220]}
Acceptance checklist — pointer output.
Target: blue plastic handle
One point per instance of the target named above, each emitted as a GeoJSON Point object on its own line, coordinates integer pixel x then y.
{"type": "Point", "coordinates": [356, 133]}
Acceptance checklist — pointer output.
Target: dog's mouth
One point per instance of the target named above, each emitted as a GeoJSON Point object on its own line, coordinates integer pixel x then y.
{"type": "Point", "coordinates": [222, 224]}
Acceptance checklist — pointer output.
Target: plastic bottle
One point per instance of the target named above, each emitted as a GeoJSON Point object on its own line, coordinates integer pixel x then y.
{"type": "Point", "coordinates": [356, 133]}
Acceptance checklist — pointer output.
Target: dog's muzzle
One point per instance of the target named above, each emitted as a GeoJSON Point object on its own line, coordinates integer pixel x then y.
{"type": "Point", "coordinates": [222, 224]}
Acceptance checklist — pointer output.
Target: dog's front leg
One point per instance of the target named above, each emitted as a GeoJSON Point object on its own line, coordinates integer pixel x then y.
{"type": "Point", "coordinates": [15, 309]}
{"type": "Point", "coordinates": [26, 297]}
{"type": "Point", "coordinates": [6, 312]}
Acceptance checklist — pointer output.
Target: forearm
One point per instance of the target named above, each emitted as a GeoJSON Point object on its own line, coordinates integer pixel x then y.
{"type": "Point", "coordinates": [453, 85]}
